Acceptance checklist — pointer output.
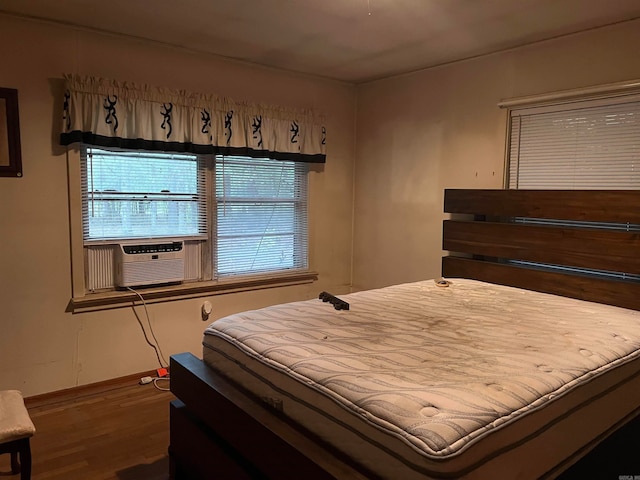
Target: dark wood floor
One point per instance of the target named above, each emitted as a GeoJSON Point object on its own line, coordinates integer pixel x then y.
{"type": "Point", "coordinates": [121, 433]}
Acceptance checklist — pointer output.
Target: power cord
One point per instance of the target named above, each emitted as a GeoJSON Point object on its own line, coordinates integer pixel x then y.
{"type": "Point", "coordinates": [156, 346]}
{"type": "Point", "coordinates": [155, 383]}
{"type": "Point", "coordinates": [148, 380]}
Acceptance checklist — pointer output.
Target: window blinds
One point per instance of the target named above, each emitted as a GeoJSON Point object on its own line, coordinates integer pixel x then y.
{"type": "Point", "coordinates": [577, 146]}
{"type": "Point", "coordinates": [137, 194]}
{"type": "Point", "coordinates": [261, 207]}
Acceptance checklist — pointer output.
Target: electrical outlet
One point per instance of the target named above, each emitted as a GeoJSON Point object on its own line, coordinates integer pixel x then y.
{"type": "Point", "coordinates": [206, 310]}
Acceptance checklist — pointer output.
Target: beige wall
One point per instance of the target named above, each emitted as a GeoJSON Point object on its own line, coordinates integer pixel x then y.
{"type": "Point", "coordinates": [441, 128]}
{"type": "Point", "coordinates": [43, 348]}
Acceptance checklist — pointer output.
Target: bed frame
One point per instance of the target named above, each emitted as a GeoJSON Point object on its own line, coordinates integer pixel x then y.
{"type": "Point", "coordinates": [497, 236]}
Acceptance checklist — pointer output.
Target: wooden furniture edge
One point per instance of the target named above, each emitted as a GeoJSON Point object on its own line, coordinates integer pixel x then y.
{"type": "Point", "coordinates": [609, 292]}
{"type": "Point", "coordinates": [600, 249]}
{"type": "Point", "coordinates": [612, 205]}
{"type": "Point", "coordinates": [221, 406]}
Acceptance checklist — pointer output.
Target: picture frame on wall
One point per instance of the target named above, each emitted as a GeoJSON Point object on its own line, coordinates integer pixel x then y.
{"type": "Point", "coordinates": [10, 154]}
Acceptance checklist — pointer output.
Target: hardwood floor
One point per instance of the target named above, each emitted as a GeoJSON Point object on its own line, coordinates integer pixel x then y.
{"type": "Point", "coordinates": [119, 433]}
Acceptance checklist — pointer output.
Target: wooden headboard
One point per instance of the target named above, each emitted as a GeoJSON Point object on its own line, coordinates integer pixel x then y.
{"type": "Point", "coordinates": [483, 246]}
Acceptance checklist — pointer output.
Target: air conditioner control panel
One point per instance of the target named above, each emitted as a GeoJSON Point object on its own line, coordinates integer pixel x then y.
{"type": "Point", "coordinates": [152, 248]}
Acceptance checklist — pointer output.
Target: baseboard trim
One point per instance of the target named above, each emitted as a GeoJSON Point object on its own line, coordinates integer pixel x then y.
{"type": "Point", "coordinates": [80, 391]}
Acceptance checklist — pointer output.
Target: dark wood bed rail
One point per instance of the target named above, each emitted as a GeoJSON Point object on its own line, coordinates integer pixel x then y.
{"type": "Point", "coordinates": [218, 429]}
{"type": "Point", "coordinates": [486, 246]}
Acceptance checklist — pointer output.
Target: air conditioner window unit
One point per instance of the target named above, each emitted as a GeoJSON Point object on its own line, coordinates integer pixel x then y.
{"type": "Point", "coordinates": [149, 263]}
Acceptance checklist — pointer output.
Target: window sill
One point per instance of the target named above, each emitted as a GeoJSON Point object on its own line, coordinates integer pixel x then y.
{"type": "Point", "coordinates": [124, 298]}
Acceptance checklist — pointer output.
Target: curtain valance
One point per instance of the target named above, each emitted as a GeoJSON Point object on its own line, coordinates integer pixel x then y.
{"type": "Point", "coordinates": [108, 113]}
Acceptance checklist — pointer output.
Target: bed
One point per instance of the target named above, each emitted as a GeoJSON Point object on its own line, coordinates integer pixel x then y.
{"type": "Point", "coordinates": [505, 370]}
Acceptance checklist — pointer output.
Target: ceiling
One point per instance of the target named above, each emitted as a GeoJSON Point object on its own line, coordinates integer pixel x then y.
{"type": "Point", "coordinates": [349, 40]}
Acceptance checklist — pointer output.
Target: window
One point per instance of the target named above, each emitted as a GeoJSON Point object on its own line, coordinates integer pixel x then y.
{"type": "Point", "coordinates": [578, 145]}
{"type": "Point", "coordinates": [261, 216]}
{"type": "Point", "coordinates": [238, 216]}
{"type": "Point", "coordinates": [129, 195]}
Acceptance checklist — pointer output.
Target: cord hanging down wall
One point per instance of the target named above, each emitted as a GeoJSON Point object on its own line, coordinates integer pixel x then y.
{"type": "Point", "coordinates": [163, 372]}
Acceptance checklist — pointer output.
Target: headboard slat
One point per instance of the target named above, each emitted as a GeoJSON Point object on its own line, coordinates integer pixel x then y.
{"type": "Point", "coordinates": [609, 292]}
{"type": "Point", "coordinates": [583, 248]}
{"type": "Point", "coordinates": [619, 206]}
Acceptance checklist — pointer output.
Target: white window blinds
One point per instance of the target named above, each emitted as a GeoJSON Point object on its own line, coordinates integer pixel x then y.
{"type": "Point", "coordinates": [136, 194]}
{"type": "Point", "coordinates": [580, 145]}
{"type": "Point", "coordinates": [261, 207]}
{"type": "Point", "coordinates": [237, 215]}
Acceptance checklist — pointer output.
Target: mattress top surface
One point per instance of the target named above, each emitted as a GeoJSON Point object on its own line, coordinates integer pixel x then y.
{"type": "Point", "coordinates": [439, 367]}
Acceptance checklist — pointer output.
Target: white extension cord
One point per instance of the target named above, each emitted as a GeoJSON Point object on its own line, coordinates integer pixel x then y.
{"type": "Point", "coordinates": [148, 380]}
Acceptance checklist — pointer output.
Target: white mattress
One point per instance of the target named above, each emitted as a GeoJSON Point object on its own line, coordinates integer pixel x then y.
{"type": "Point", "coordinates": [418, 380]}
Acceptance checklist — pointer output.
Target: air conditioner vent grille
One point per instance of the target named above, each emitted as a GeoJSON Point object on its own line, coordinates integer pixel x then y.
{"type": "Point", "coordinates": [149, 264]}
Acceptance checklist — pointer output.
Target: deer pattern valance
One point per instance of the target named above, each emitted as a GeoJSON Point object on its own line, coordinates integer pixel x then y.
{"type": "Point", "coordinates": [107, 113]}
